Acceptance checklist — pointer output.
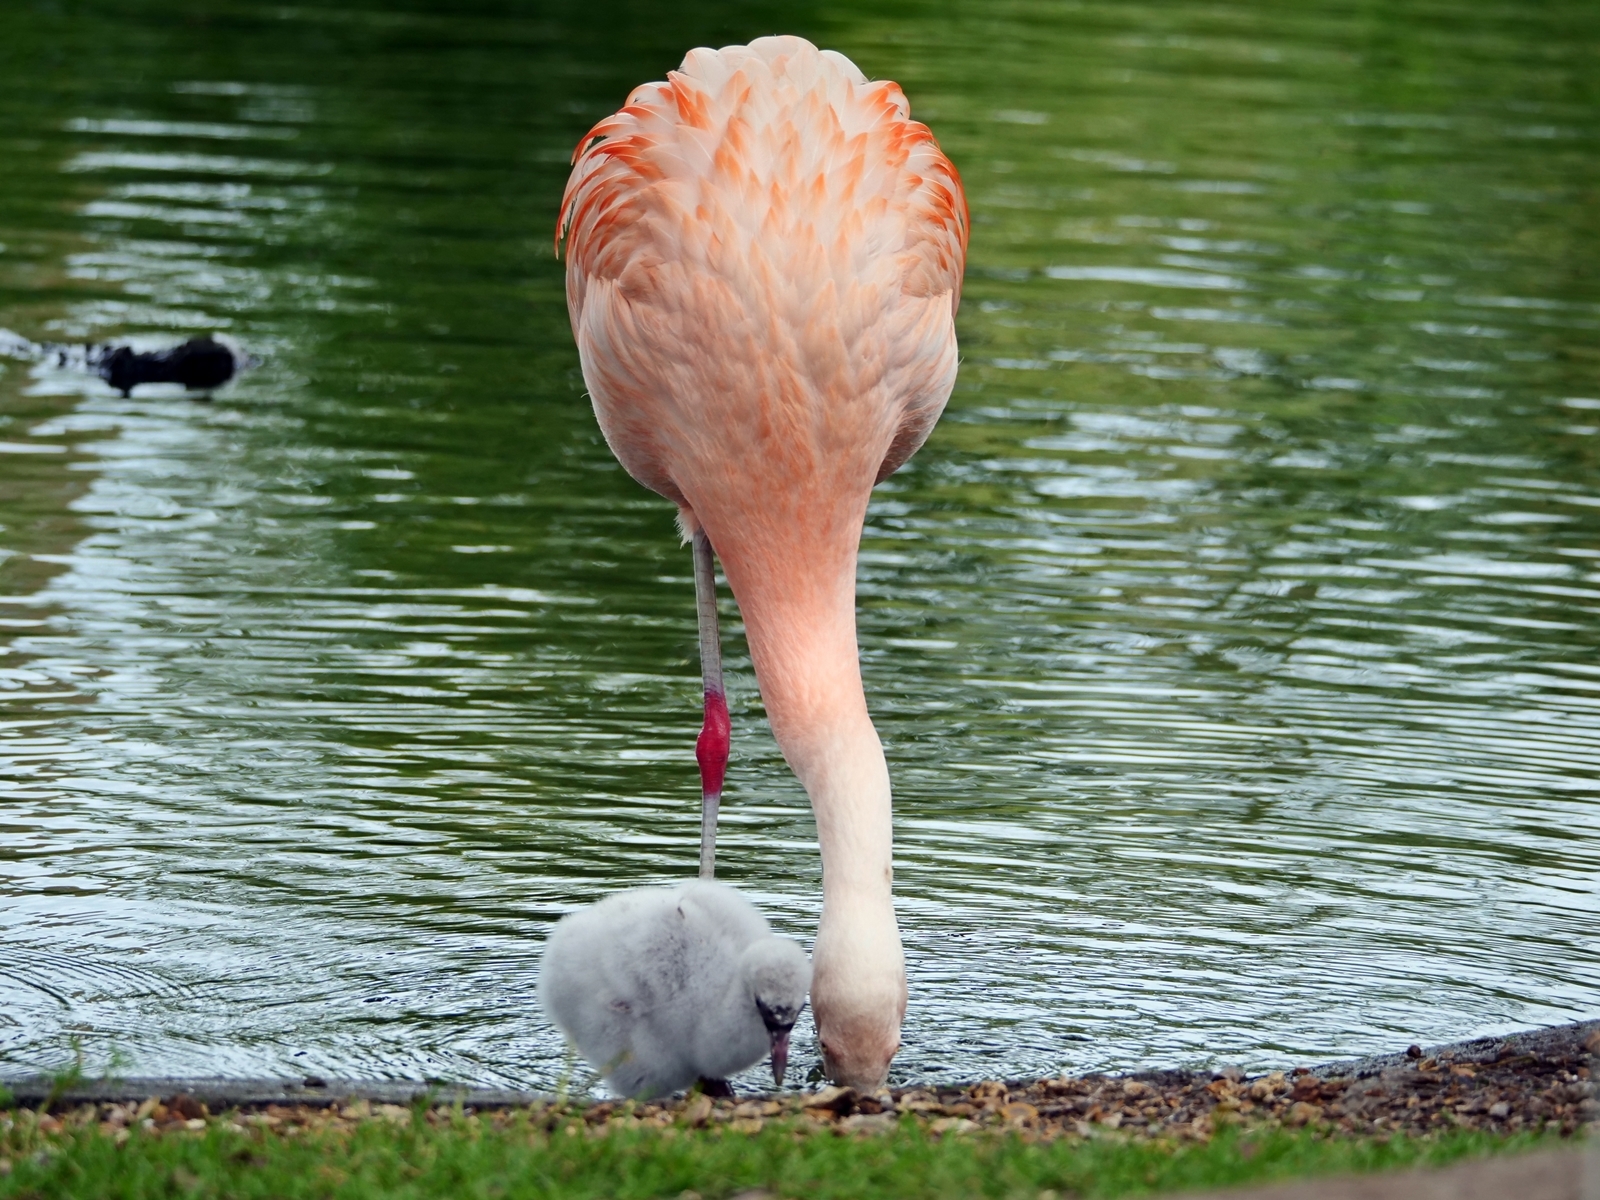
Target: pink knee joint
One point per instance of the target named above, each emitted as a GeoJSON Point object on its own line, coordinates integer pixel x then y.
{"type": "Point", "coordinates": [711, 748]}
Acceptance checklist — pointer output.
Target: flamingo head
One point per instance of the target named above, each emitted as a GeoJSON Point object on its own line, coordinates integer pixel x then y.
{"type": "Point", "coordinates": [858, 995]}
{"type": "Point", "coordinates": [857, 1053]}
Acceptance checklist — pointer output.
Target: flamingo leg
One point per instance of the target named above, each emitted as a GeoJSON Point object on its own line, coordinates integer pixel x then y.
{"type": "Point", "coordinates": [711, 748]}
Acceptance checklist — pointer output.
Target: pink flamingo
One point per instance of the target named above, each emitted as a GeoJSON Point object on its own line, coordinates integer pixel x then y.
{"type": "Point", "coordinates": [764, 258]}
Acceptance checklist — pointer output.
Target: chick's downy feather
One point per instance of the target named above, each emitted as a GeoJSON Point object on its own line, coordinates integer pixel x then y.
{"type": "Point", "coordinates": [655, 987]}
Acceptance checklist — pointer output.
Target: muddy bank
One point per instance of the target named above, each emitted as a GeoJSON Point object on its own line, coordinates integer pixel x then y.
{"type": "Point", "coordinates": [1542, 1079]}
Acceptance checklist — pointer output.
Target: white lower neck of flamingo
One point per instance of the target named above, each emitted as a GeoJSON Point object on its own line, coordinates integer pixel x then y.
{"type": "Point", "coordinates": [842, 767]}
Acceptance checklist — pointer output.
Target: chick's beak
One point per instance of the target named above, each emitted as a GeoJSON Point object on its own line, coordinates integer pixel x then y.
{"type": "Point", "coordinates": [780, 1055]}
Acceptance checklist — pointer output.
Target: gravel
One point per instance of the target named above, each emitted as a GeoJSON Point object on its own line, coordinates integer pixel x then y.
{"type": "Point", "coordinates": [1543, 1080]}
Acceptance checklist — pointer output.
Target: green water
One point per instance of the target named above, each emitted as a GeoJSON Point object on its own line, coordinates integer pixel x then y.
{"type": "Point", "coordinates": [1234, 638]}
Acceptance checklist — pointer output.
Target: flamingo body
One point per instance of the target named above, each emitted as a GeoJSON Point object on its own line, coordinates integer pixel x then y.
{"type": "Point", "coordinates": [764, 259]}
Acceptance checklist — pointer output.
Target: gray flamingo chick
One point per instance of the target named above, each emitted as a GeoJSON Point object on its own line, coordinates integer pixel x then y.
{"type": "Point", "coordinates": [660, 987]}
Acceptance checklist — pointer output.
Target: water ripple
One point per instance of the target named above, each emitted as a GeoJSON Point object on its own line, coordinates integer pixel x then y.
{"type": "Point", "coordinates": [1232, 641]}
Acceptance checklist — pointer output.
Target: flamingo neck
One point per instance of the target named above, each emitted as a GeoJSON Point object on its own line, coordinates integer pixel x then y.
{"type": "Point", "coordinates": [792, 568]}
{"type": "Point", "coordinates": [802, 636]}
{"type": "Point", "coordinates": [843, 770]}
{"type": "Point", "coordinates": [803, 642]}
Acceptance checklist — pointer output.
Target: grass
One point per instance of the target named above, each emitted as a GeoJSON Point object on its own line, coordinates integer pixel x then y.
{"type": "Point", "coordinates": [464, 1157]}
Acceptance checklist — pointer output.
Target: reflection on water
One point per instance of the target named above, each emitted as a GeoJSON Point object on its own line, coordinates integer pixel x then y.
{"type": "Point", "coordinates": [1233, 640]}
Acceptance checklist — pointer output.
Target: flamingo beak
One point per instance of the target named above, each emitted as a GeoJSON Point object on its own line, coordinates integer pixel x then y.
{"type": "Point", "coordinates": [780, 1055]}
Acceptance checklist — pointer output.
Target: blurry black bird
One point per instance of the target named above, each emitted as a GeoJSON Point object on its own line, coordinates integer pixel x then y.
{"type": "Point", "coordinates": [200, 365]}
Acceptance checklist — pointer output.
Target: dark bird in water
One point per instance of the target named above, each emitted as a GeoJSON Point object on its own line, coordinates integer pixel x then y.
{"type": "Point", "coordinates": [201, 364]}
